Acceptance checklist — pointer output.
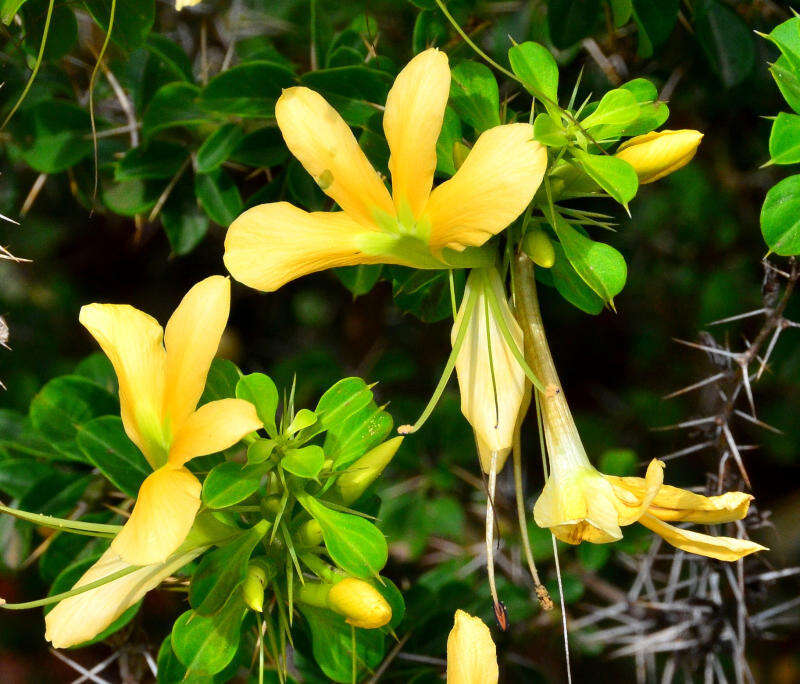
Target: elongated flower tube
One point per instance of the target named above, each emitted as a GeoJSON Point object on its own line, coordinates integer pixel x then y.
{"type": "Point", "coordinates": [471, 653]}
{"type": "Point", "coordinates": [490, 378]}
{"type": "Point", "coordinates": [272, 244]}
{"type": "Point", "coordinates": [579, 503]}
{"type": "Point", "coordinates": [657, 154]}
{"type": "Point", "coordinates": [161, 376]}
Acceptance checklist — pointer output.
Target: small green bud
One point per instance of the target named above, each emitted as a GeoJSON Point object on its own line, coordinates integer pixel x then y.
{"type": "Point", "coordinates": [253, 587]}
{"type": "Point", "coordinates": [352, 483]}
{"type": "Point", "coordinates": [538, 246]}
{"type": "Point", "coordinates": [309, 534]}
{"type": "Point", "coordinates": [460, 153]}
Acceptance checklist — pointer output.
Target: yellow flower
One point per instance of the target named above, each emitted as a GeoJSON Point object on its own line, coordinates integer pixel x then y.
{"type": "Point", "coordinates": [490, 380]}
{"type": "Point", "coordinates": [180, 4]}
{"type": "Point", "coordinates": [657, 154]}
{"type": "Point", "coordinates": [471, 654]}
{"type": "Point", "coordinates": [271, 244]}
{"type": "Point", "coordinates": [161, 376]}
{"type": "Point", "coordinates": [361, 604]}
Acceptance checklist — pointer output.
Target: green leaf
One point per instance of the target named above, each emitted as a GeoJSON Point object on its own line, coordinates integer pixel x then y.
{"type": "Point", "coordinates": [261, 392]}
{"type": "Point", "coordinates": [158, 159]}
{"type": "Point", "coordinates": [615, 176]}
{"type": "Point", "coordinates": [171, 54]}
{"type": "Point", "coordinates": [206, 644]}
{"type": "Point", "coordinates": [359, 279]}
{"type": "Point", "coordinates": [229, 483]}
{"type": "Point", "coordinates": [8, 8]}
{"type": "Point", "coordinates": [780, 217]}
{"type": "Point", "coordinates": [133, 19]}
{"type": "Point", "coordinates": [537, 69]}
{"type": "Point", "coordinates": [784, 139]}
{"type": "Point", "coordinates": [548, 132]}
{"type": "Point", "coordinates": [305, 462]}
{"type": "Point", "coordinates": [332, 645]}
{"type": "Point", "coordinates": [63, 33]}
{"type": "Point", "coordinates": [353, 543]}
{"type": "Point", "coordinates": [219, 196]}
{"type": "Point", "coordinates": [63, 405]}
{"type": "Point", "coordinates": [222, 570]}
{"type": "Point", "coordinates": [600, 266]}
{"type": "Point", "coordinates": [18, 475]}
{"type": "Point", "coordinates": [53, 135]}
{"type": "Point", "coordinates": [218, 147]}
{"type": "Point", "coordinates": [425, 294]}
{"type": "Point", "coordinates": [355, 82]}
{"type": "Point", "coordinates": [617, 107]}
{"type": "Point", "coordinates": [185, 223]}
{"type": "Point", "coordinates": [474, 95]}
{"type": "Point", "coordinates": [430, 30]}
{"type": "Point", "coordinates": [262, 148]}
{"type": "Point", "coordinates": [107, 447]}
{"type": "Point", "coordinates": [788, 82]}
{"type": "Point", "coordinates": [571, 20]}
{"type": "Point", "coordinates": [174, 104]}
{"type": "Point", "coordinates": [65, 548]}
{"type": "Point", "coordinates": [451, 133]}
{"type": "Point", "coordinates": [656, 20]}
{"type": "Point", "coordinates": [247, 90]}
{"type": "Point", "coordinates": [303, 419]}
{"type": "Point", "coordinates": [130, 197]}
{"type": "Point", "coordinates": [571, 286]}
{"type": "Point", "coordinates": [726, 39]}
{"type": "Point", "coordinates": [786, 36]}
{"type": "Point", "coordinates": [621, 10]}
{"type": "Point", "coordinates": [652, 113]}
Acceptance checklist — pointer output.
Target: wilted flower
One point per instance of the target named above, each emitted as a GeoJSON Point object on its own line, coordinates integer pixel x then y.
{"type": "Point", "coordinates": [657, 154]}
{"type": "Point", "coordinates": [490, 379]}
{"type": "Point", "coordinates": [271, 244]}
{"type": "Point", "coordinates": [471, 653]}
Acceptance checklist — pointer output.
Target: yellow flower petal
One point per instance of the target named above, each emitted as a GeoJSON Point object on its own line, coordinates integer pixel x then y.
{"type": "Point", "coordinates": [362, 604]}
{"type": "Point", "coordinates": [647, 490]}
{"type": "Point", "coordinates": [324, 144]}
{"type": "Point", "coordinates": [272, 244]}
{"type": "Point", "coordinates": [659, 153]}
{"type": "Point", "coordinates": [82, 617]}
{"type": "Point", "coordinates": [491, 189]}
{"type": "Point", "coordinates": [162, 517]}
{"type": "Point", "coordinates": [492, 417]}
{"type": "Point", "coordinates": [192, 337]}
{"type": "Point", "coordinates": [412, 122]}
{"type": "Point", "coordinates": [579, 506]}
{"type": "Point", "coordinates": [132, 341]}
{"type": "Point", "coordinates": [471, 653]}
{"type": "Point", "coordinates": [213, 427]}
{"type": "Point", "coordinates": [721, 548]}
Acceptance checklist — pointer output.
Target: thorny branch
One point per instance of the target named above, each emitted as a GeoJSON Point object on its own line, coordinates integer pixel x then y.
{"type": "Point", "coordinates": [686, 613]}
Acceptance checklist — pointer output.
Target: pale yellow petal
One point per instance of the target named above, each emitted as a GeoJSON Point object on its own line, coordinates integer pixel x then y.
{"type": "Point", "coordinates": [324, 144]}
{"type": "Point", "coordinates": [213, 427]}
{"type": "Point", "coordinates": [412, 122]}
{"type": "Point", "coordinates": [659, 153]}
{"type": "Point", "coordinates": [82, 617]}
{"type": "Point", "coordinates": [162, 517]}
{"type": "Point", "coordinates": [492, 188]}
{"type": "Point", "coordinates": [471, 653]}
{"type": "Point", "coordinates": [192, 337]}
{"type": "Point", "coordinates": [132, 341]}
{"type": "Point", "coordinates": [492, 387]}
{"type": "Point", "coordinates": [721, 548]}
{"type": "Point", "coordinates": [631, 511]}
{"type": "Point", "coordinates": [272, 244]}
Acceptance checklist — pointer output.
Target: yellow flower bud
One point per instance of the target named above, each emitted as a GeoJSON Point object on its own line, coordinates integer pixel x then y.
{"type": "Point", "coordinates": [352, 483]}
{"type": "Point", "coordinates": [657, 154]}
{"type": "Point", "coordinates": [309, 533]}
{"type": "Point", "coordinates": [538, 246]}
{"type": "Point", "coordinates": [360, 603]}
{"type": "Point", "coordinates": [253, 587]}
{"type": "Point", "coordinates": [471, 655]}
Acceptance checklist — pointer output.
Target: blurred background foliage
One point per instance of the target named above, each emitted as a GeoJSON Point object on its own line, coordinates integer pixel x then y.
{"type": "Point", "coordinates": [693, 247]}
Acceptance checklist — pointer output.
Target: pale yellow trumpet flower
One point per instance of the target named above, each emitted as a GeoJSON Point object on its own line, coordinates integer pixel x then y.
{"type": "Point", "coordinates": [657, 154]}
{"type": "Point", "coordinates": [471, 653]}
{"type": "Point", "coordinates": [416, 225]}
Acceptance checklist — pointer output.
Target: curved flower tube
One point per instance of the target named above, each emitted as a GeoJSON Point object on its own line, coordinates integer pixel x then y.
{"type": "Point", "coordinates": [272, 244]}
{"type": "Point", "coordinates": [471, 653]}
{"type": "Point", "coordinates": [579, 503]}
{"type": "Point", "coordinates": [161, 376]}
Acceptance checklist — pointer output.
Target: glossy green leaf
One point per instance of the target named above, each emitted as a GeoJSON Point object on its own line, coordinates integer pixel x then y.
{"type": "Point", "coordinates": [652, 113]}
{"type": "Point", "coordinates": [786, 36]}
{"type": "Point", "coordinates": [784, 139]}
{"type": "Point", "coordinates": [53, 136]}
{"type": "Point", "coordinates": [18, 475]}
{"type": "Point", "coordinates": [474, 95]}
{"type": "Point", "coordinates": [131, 197]}
{"type": "Point", "coordinates": [780, 217]}
{"type": "Point", "coordinates": [8, 8]}
{"type": "Point", "coordinates": [621, 10]}
{"type": "Point", "coordinates": [185, 223]}
{"type": "Point", "coordinates": [571, 20]}
{"type": "Point", "coordinates": [105, 444]}
{"type": "Point", "coordinates": [615, 176]}
{"type": "Point", "coordinates": [262, 148]}
{"type": "Point", "coordinates": [535, 66]}
{"type": "Point", "coordinates": [359, 279]}
{"type": "Point", "coordinates": [430, 30]}
{"type": "Point", "coordinates": [261, 392]}
{"type": "Point", "coordinates": [451, 133]}
{"type": "Point", "coordinates": [248, 90]}
{"type": "Point", "coordinates": [229, 483]}
{"type": "Point", "coordinates": [305, 462]}
{"type": "Point", "coordinates": [158, 159]}
{"type": "Point", "coordinates": [571, 286]}
{"type": "Point", "coordinates": [788, 82]}
{"type": "Point", "coordinates": [174, 104]}
{"type": "Point", "coordinates": [219, 196]}
{"type": "Point", "coordinates": [726, 40]}
{"type": "Point", "coordinates": [616, 108]}
{"type": "Point", "coordinates": [133, 19]}
{"type": "Point", "coordinates": [218, 147]}
{"type": "Point", "coordinates": [171, 54]}
{"type": "Point", "coordinates": [548, 132]}
{"type": "Point", "coordinates": [221, 381]}
{"type": "Point", "coordinates": [655, 20]}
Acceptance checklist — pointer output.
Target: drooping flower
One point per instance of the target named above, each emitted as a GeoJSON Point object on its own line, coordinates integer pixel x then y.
{"type": "Point", "coordinates": [161, 376]}
{"type": "Point", "coordinates": [490, 379]}
{"type": "Point", "coordinates": [415, 225]}
{"type": "Point", "coordinates": [471, 653]}
{"type": "Point", "coordinates": [659, 153]}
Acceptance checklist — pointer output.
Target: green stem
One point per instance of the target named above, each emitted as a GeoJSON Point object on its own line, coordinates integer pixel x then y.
{"type": "Point", "coordinates": [314, 594]}
{"type": "Point", "coordinates": [36, 66]}
{"type": "Point", "coordinates": [72, 592]}
{"type": "Point", "coordinates": [92, 82]}
{"type": "Point", "coordinates": [75, 526]}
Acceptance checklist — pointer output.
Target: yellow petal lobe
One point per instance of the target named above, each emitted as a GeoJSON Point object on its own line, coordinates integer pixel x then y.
{"type": "Point", "coordinates": [492, 188]}
{"type": "Point", "coordinates": [412, 122]}
{"type": "Point", "coordinates": [471, 653]}
{"type": "Point", "coordinates": [631, 511]}
{"type": "Point", "coordinates": [165, 508]}
{"type": "Point", "coordinates": [326, 147]}
{"type": "Point", "coordinates": [191, 338]}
